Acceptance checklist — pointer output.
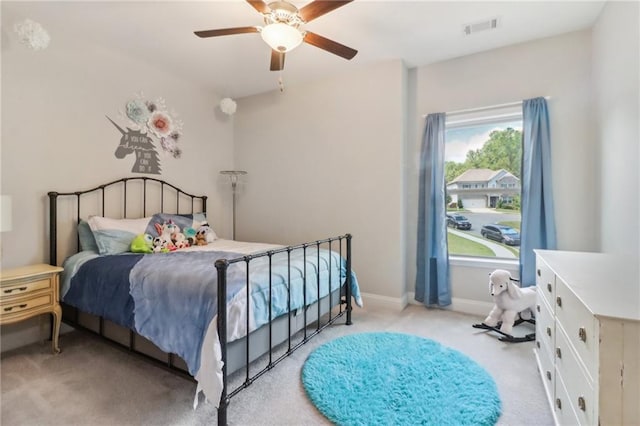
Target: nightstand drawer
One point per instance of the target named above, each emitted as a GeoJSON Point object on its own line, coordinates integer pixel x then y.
{"type": "Point", "coordinates": [20, 288]}
{"type": "Point", "coordinates": [20, 305]}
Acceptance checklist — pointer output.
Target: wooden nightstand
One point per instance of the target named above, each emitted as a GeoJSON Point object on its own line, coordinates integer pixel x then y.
{"type": "Point", "coordinates": [29, 291]}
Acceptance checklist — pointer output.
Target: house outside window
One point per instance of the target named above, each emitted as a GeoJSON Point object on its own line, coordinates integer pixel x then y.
{"type": "Point", "coordinates": [482, 172]}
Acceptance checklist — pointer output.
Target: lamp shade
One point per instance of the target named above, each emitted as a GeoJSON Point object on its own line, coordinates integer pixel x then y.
{"type": "Point", "coordinates": [5, 211]}
{"type": "Point", "coordinates": [281, 37]}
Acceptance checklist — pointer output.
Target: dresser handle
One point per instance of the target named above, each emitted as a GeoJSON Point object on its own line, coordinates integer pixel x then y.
{"type": "Point", "coordinates": [549, 287]}
{"type": "Point", "coordinates": [538, 308]}
{"type": "Point", "coordinates": [11, 290]}
{"type": "Point", "coordinates": [549, 331]}
{"type": "Point", "coordinates": [582, 334]}
{"type": "Point", "coordinates": [10, 308]}
{"type": "Point", "coordinates": [558, 403]}
{"type": "Point", "coordinates": [549, 375]}
{"type": "Point", "coordinates": [582, 404]}
{"type": "Point", "coordinates": [558, 353]}
{"type": "Point", "coordinates": [538, 345]}
{"type": "Point", "coordinates": [539, 273]}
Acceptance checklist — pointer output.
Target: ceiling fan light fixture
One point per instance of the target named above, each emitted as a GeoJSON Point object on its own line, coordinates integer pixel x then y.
{"type": "Point", "coordinates": [281, 37]}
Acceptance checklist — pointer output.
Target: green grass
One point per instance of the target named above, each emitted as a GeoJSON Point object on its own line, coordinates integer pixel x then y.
{"type": "Point", "coordinates": [463, 246]}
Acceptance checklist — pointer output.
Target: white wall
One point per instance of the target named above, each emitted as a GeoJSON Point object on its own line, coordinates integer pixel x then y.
{"type": "Point", "coordinates": [325, 158]}
{"type": "Point", "coordinates": [55, 137]}
{"type": "Point", "coordinates": [558, 67]}
{"type": "Point", "coordinates": [616, 48]}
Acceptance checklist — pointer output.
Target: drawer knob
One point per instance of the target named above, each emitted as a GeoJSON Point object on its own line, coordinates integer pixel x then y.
{"type": "Point", "coordinates": [559, 301]}
{"type": "Point", "coordinates": [548, 375]}
{"type": "Point", "coordinates": [538, 308]}
{"type": "Point", "coordinates": [582, 404]}
{"type": "Point", "coordinates": [539, 272]}
{"type": "Point", "coordinates": [538, 345]}
{"type": "Point", "coordinates": [558, 353]}
{"type": "Point", "coordinates": [582, 334]}
{"type": "Point", "coordinates": [559, 403]}
{"type": "Point", "coordinates": [549, 287]}
{"type": "Point", "coordinates": [11, 290]}
{"type": "Point", "coordinates": [549, 331]}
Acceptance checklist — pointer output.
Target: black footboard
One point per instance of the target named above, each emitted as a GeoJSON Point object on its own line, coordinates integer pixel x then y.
{"type": "Point", "coordinates": [223, 265]}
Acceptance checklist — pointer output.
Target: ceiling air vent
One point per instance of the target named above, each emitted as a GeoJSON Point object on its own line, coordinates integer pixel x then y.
{"type": "Point", "coordinates": [476, 27]}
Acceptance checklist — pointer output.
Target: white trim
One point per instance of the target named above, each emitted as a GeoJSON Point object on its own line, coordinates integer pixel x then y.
{"type": "Point", "coordinates": [465, 306]}
{"type": "Point", "coordinates": [370, 300]}
{"type": "Point", "coordinates": [485, 262]}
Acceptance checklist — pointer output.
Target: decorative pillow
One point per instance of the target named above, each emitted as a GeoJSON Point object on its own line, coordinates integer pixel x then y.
{"type": "Point", "coordinates": [182, 220]}
{"type": "Point", "coordinates": [87, 241]}
{"type": "Point", "coordinates": [114, 236]}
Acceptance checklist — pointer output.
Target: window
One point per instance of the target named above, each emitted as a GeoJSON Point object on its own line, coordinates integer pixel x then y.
{"type": "Point", "coordinates": [483, 157]}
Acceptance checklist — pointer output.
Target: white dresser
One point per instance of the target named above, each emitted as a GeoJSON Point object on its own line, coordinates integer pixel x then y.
{"type": "Point", "coordinates": [588, 337]}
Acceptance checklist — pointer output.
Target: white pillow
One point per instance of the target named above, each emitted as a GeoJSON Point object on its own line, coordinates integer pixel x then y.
{"type": "Point", "coordinates": [114, 236]}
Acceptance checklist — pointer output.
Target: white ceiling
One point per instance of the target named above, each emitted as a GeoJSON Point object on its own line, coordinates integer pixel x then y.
{"type": "Point", "coordinates": [418, 32]}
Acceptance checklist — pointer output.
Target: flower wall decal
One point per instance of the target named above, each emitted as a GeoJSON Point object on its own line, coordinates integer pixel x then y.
{"type": "Point", "coordinates": [152, 118]}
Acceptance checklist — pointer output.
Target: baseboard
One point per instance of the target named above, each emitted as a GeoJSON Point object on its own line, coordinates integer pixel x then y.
{"type": "Point", "coordinates": [376, 301]}
{"type": "Point", "coordinates": [465, 306]}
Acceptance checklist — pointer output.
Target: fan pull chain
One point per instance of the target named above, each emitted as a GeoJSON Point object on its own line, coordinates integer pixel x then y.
{"type": "Point", "coordinates": [281, 83]}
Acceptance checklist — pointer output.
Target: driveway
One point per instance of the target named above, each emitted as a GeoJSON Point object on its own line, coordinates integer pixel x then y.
{"type": "Point", "coordinates": [499, 250]}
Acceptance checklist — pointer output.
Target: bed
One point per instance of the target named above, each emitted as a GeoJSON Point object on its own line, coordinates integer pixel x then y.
{"type": "Point", "coordinates": [165, 305]}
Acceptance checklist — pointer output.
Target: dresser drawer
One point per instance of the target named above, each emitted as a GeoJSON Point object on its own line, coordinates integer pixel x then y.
{"type": "Point", "coordinates": [579, 326]}
{"type": "Point", "coordinates": [562, 408]}
{"type": "Point", "coordinates": [545, 324]}
{"type": "Point", "coordinates": [19, 306]}
{"type": "Point", "coordinates": [15, 289]}
{"type": "Point", "coordinates": [547, 371]}
{"type": "Point", "coordinates": [578, 385]}
{"type": "Point", "coordinates": [545, 280]}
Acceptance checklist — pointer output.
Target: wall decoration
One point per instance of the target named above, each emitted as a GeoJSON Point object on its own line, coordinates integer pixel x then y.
{"type": "Point", "coordinates": [148, 124]}
{"type": "Point", "coordinates": [228, 106]}
{"type": "Point", "coordinates": [32, 34]}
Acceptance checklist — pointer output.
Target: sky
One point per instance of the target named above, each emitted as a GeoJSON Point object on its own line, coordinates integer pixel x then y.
{"type": "Point", "coordinates": [459, 141]}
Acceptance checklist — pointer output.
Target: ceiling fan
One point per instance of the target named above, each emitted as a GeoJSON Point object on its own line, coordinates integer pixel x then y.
{"type": "Point", "coordinates": [282, 28]}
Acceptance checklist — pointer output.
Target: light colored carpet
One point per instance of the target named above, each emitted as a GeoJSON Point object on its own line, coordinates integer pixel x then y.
{"type": "Point", "coordinates": [93, 383]}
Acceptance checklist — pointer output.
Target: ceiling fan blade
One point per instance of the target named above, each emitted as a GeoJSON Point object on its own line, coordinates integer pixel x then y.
{"type": "Point", "coordinates": [329, 45]}
{"type": "Point", "coordinates": [318, 8]}
{"type": "Point", "coordinates": [226, 31]}
{"type": "Point", "coordinates": [277, 60]}
{"type": "Point", "coordinates": [260, 6]}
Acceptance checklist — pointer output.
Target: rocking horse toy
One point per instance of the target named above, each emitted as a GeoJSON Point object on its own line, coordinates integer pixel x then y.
{"type": "Point", "coordinates": [512, 306]}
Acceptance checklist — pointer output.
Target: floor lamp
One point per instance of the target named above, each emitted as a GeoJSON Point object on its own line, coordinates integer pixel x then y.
{"type": "Point", "coordinates": [234, 175]}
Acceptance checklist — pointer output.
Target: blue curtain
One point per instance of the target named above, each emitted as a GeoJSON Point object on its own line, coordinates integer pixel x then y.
{"type": "Point", "coordinates": [432, 278]}
{"type": "Point", "coordinates": [538, 228]}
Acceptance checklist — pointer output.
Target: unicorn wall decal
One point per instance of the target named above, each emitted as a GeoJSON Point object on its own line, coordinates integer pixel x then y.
{"type": "Point", "coordinates": [133, 141]}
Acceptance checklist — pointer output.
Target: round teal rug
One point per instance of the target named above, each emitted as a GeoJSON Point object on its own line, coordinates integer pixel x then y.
{"type": "Point", "coordinates": [398, 379]}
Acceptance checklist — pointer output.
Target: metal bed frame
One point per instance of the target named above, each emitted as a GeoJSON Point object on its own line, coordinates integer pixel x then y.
{"type": "Point", "coordinates": [133, 341]}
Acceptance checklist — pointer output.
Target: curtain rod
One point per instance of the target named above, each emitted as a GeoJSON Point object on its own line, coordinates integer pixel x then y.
{"type": "Point", "coordinates": [486, 108]}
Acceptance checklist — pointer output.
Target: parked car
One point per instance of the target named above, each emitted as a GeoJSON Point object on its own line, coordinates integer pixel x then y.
{"type": "Point", "coordinates": [501, 233]}
{"type": "Point", "coordinates": [458, 221]}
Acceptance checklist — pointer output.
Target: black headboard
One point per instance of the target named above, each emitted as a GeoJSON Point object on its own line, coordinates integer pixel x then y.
{"type": "Point", "coordinates": [130, 197]}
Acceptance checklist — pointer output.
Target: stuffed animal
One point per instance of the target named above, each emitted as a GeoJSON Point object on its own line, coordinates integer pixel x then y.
{"type": "Point", "coordinates": [510, 300]}
{"type": "Point", "coordinates": [165, 232]}
{"type": "Point", "coordinates": [201, 239]}
{"type": "Point", "coordinates": [142, 243]}
{"type": "Point", "coordinates": [179, 240]}
{"type": "Point", "coordinates": [159, 245]}
{"type": "Point", "coordinates": [207, 231]}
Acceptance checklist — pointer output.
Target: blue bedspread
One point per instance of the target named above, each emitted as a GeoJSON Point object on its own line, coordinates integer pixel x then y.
{"type": "Point", "coordinates": [172, 298]}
